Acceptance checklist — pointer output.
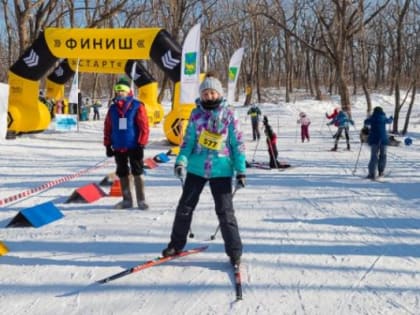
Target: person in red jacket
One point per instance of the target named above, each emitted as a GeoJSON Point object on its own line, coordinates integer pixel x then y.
{"type": "Point", "coordinates": [126, 133]}
{"type": "Point", "coordinates": [332, 116]}
{"type": "Point", "coordinates": [271, 139]}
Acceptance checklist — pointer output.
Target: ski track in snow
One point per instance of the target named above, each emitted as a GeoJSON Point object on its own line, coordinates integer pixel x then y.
{"type": "Point", "coordinates": [318, 238]}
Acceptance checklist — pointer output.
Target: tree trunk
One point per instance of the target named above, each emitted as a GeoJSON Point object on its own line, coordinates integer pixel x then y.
{"type": "Point", "coordinates": [287, 66]}
{"type": "Point", "coordinates": [342, 85]}
{"type": "Point", "coordinates": [410, 108]}
{"type": "Point", "coordinates": [318, 92]}
{"type": "Point", "coordinates": [308, 72]}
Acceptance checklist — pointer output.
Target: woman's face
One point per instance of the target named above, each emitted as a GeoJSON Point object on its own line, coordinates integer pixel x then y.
{"type": "Point", "coordinates": [209, 95]}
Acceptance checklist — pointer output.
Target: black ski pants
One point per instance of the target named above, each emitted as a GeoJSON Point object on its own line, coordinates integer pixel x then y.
{"type": "Point", "coordinates": [132, 156]}
{"type": "Point", "coordinates": [221, 189]}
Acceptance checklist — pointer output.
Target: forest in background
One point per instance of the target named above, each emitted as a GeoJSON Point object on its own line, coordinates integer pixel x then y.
{"type": "Point", "coordinates": [320, 47]}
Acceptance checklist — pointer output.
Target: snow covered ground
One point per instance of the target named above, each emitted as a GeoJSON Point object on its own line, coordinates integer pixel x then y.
{"type": "Point", "coordinates": [318, 238]}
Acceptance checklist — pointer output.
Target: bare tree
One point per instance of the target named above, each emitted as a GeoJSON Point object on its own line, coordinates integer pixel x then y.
{"type": "Point", "coordinates": [294, 44]}
{"type": "Point", "coordinates": [400, 17]}
{"type": "Point", "coordinates": [339, 23]}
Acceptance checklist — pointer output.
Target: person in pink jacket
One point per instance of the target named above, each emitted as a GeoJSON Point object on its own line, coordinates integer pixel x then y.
{"type": "Point", "coordinates": [304, 122]}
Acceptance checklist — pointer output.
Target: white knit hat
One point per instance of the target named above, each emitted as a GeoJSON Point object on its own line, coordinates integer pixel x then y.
{"type": "Point", "coordinates": [211, 83]}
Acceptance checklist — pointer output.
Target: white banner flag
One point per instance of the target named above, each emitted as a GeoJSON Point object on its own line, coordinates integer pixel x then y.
{"type": "Point", "coordinates": [4, 99]}
{"type": "Point", "coordinates": [190, 66]}
{"type": "Point", "coordinates": [133, 75]}
{"type": "Point", "coordinates": [234, 68]}
{"type": "Point", "coordinates": [74, 89]}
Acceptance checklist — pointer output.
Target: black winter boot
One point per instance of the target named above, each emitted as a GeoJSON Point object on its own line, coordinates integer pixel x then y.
{"type": "Point", "coordinates": [170, 251]}
{"type": "Point", "coordinates": [127, 201]}
{"type": "Point", "coordinates": [139, 185]}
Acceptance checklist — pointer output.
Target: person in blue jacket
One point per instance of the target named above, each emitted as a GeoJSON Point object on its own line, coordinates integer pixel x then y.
{"type": "Point", "coordinates": [212, 151]}
{"type": "Point", "coordinates": [342, 121]}
{"type": "Point", "coordinates": [378, 141]}
{"type": "Point", "coordinates": [126, 134]}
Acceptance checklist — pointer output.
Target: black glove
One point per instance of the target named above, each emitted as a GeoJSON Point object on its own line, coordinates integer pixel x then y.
{"type": "Point", "coordinates": [240, 181]}
{"type": "Point", "coordinates": [179, 170]}
{"type": "Point", "coordinates": [109, 151]}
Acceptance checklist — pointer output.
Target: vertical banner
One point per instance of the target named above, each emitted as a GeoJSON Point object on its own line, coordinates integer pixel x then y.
{"type": "Point", "coordinates": [74, 90]}
{"type": "Point", "coordinates": [4, 96]}
{"type": "Point", "coordinates": [133, 76]}
{"type": "Point", "coordinates": [74, 96]}
{"type": "Point", "coordinates": [190, 66]}
{"type": "Point", "coordinates": [234, 67]}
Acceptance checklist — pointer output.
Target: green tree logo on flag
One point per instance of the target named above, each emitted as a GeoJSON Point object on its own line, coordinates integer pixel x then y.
{"type": "Point", "coordinates": [233, 71]}
{"type": "Point", "coordinates": [190, 63]}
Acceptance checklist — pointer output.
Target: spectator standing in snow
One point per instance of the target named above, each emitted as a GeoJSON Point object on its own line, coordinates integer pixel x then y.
{"type": "Point", "coordinates": [212, 151]}
{"type": "Point", "coordinates": [378, 141]}
{"type": "Point", "coordinates": [255, 114]}
{"type": "Point", "coordinates": [343, 121]}
{"type": "Point", "coordinates": [96, 106]}
{"type": "Point", "coordinates": [304, 122]}
{"type": "Point", "coordinates": [126, 133]}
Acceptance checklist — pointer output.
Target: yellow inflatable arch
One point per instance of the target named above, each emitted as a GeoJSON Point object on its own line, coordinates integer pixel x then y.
{"type": "Point", "coordinates": [27, 114]}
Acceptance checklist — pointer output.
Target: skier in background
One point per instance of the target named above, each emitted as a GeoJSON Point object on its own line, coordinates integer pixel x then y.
{"type": "Point", "coordinates": [304, 122]}
{"type": "Point", "coordinates": [343, 121]}
{"type": "Point", "coordinates": [332, 116]}
{"type": "Point", "coordinates": [271, 139]}
{"type": "Point", "coordinates": [255, 114]}
{"type": "Point", "coordinates": [378, 141]}
{"type": "Point", "coordinates": [96, 105]}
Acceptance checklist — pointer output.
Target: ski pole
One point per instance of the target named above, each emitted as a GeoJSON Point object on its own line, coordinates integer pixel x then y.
{"type": "Point", "coordinates": [357, 160]}
{"type": "Point", "coordinates": [330, 129]}
{"type": "Point", "coordinates": [255, 151]}
{"type": "Point", "coordinates": [213, 236]}
{"type": "Point", "coordinates": [322, 125]}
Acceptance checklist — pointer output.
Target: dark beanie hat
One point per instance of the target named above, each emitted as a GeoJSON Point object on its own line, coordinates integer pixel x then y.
{"type": "Point", "coordinates": [378, 110]}
{"type": "Point", "coordinates": [265, 120]}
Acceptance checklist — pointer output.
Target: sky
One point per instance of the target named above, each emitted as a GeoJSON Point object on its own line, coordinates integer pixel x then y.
{"type": "Point", "coordinates": [319, 238]}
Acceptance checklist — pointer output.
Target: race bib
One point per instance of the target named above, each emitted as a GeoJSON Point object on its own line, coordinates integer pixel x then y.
{"type": "Point", "coordinates": [122, 123]}
{"type": "Point", "coordinates": [211, 140]}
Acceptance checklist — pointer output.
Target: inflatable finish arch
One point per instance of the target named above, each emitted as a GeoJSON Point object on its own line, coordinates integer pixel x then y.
{"type": "Point", "coordinates": [27, 114]}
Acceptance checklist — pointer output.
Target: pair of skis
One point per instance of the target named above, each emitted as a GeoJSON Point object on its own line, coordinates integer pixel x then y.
{"type": "Point", "coordinates": [266, 166]}
{"type": "Point", "coordinates": [158, 261]}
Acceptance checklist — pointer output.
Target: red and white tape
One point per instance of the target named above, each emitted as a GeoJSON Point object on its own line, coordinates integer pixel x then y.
{"type": "Point", "coordinates": [49, 184]}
